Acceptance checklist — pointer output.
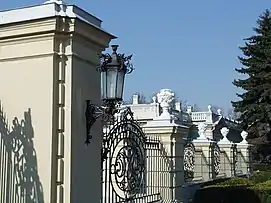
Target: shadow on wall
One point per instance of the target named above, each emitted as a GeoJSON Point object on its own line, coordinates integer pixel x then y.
{"type": "Point", "coordinates": [19, 179]}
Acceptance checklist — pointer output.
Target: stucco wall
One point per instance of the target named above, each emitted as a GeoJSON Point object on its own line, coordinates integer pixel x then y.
{"type": "Point", "coordinates": [86, 85]}
{"type": "Point", "coordinates": [26, 86]}
{"type": "Point", "coordinates": [48, 70]}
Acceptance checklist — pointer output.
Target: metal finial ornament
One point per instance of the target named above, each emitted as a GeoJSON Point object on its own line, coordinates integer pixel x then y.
{"type": "Point", "coordinates": [114, 48]}
{"type": "Point", "coordinates": [123, 62]}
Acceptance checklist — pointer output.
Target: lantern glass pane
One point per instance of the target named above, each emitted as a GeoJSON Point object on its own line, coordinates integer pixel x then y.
{"type": "Point", "coordinates": [103, 84]}
{"type": "Point", "coordinates": [111, 83]}
{"type": "Point", "coordinates": [120, 85]}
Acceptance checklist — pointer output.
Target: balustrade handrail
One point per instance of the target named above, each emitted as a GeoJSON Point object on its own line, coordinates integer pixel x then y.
{"type": "Point", "coordinates": [199, 115]}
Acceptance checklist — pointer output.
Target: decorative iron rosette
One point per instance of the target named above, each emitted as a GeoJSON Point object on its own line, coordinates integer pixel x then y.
{"type": "Point", "coordinates": [189, 160]}
{"type": "Point", "coordinates": [216, 154]}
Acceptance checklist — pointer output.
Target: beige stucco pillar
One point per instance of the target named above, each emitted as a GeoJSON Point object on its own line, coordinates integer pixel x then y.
{"type": "Point", "coordinates": [167, 165]}
{"type": "Point", "coordinates": [48, 59]}
{"type": "Point", "coordinates": [244, 158]}
{"type": "Point", "coordinates": [203, 159]}
{"type": "Point", "coordinates": [170, 174]}
{"type": "Point", "coordinates": [203, 149]}
{"type": "Point", "coordinates": [228, 164]}
{"type": "Point", "coordinates": [227, 159]}
{"type": "Point", "coordinates": [244, 155]}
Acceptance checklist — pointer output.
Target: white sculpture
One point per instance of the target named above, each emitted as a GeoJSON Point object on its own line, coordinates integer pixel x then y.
{"type": "Point", "coordinates": [224, 131]}
{"type": "Point", "coordinates": [202, 127]}
{"type": "Point", "coordinates": [244, 135]}
{"type": "Point", "coordinates": [219, 112]}
{"type": "Point", "coordinates": [165, 97]}
{"type": "Point", "coordinates": [209, 108]}
{"type": "Point", "coordinates": [154, 98]}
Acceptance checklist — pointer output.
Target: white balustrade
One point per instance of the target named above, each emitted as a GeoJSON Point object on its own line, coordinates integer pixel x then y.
{"type": "Point", "coordinates": [198, 116]}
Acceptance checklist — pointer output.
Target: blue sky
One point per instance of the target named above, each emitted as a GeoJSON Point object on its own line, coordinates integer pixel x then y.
{"type": "Point", "coordinates": [190, 47]}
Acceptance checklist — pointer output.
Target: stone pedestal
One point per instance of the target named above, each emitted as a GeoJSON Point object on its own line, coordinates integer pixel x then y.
{"type": "Point", "coordinates": [48, 58]}
{"type": "Point", "coordinates": [170, 174]}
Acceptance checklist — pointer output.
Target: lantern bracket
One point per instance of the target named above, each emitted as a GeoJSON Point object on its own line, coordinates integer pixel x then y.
{"type": "Point", "coordinates": [93, 112]}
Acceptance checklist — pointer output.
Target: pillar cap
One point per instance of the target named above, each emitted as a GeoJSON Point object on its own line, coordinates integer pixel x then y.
{"type": "Point", "coordinates": [50, 8]}
{"type": "Point", "coordinates": [47, 9]}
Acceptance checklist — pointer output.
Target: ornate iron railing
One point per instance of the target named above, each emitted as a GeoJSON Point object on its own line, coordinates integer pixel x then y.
{"type": "Point", "coordinates": [125, 158]}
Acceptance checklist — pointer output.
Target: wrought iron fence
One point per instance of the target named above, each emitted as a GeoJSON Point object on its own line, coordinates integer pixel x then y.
{"type": "Point", "coordinates": [234, 160]}
{"type": "Point", "coordinates": [201, 165]}
{"type": "Point", "coordinates": [129, 162]}
{"type": "Point", "coordinates": [159, 167]}
{"type": "Point", "coordinates": [243, 163]}
{"type": "Point", "coordinates": [229, 162]}
{"type": "Point", "coordinates": [154, 173]}
{"type": "Point", "coordinates": [225, 163]}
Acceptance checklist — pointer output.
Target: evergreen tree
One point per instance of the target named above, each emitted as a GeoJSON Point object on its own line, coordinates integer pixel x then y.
{"type": "Point", "coordinates": [255, 102]}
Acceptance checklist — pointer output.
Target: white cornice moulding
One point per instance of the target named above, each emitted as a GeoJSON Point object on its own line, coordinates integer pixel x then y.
{"type": "Point", "coordinates": [48, 9]}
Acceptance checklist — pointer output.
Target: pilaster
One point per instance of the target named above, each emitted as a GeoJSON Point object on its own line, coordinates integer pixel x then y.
{"type": "Point", "coordinates": [51, 53]}
{"type": "Point", "coordinates": [244, 157]}
{"type": "Point", "coordinates": [228, 158]}
{"type": "Point", "coordinates": [171, 134]}
{"type": "Point", "coordinates": [171, 152]}
{"type": "Point", "coordinates": [203, 160]}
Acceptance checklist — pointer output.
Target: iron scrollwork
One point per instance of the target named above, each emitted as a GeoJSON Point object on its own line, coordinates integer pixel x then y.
{"type": "Point", "coordinates": [93, 112]}
{"type": "Point", "coordinates": [127, 169]}
{"type": "Point", "coordinates": [235, 157]}
{"type": "Point", "coordinates": [189, 160]}
{"type": "Point", "coordinates": [124, 153]}
{"type": "Point", "coordinates": [216, 154]}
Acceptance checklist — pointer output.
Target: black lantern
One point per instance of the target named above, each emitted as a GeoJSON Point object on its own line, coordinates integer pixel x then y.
{"type": "Point", "coordinates": [113, 69]}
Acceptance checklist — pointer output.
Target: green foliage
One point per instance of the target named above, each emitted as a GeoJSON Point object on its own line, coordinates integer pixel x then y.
{"type": "Point", "coordinates": [257, 189]}
{"type": "Point", "coordinates": [263, 191]}
{"type": "Point", "coordinates": [260, 177]}
{"type": "Point", "coordinates": [236, 182]}
{"type": "Point", "coordinates": [255, 103]}
{"type": "Point", "coordinates": [214, 182]}
{"type": "Point", "coordinates": [228, 195]}
{"type": "Point", "coordinates": [262, 186]}
{"type": "Point", "coordinates": [232, 182]}
{"type": "Point", "coordinates": [261, 167]}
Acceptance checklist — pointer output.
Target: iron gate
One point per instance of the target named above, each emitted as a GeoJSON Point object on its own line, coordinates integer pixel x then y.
{"type": "Point", "coordinates": [124, 161]}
